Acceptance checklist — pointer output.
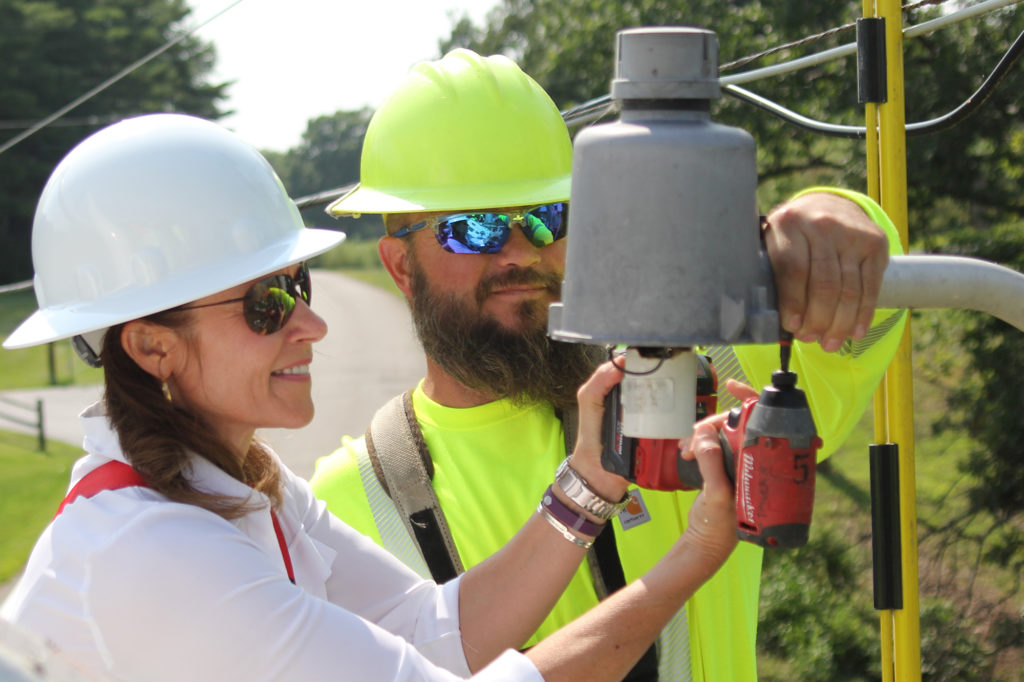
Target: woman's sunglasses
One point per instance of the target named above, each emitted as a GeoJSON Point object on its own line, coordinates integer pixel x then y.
{"type": "Point", "coordinates": [485, 232]}
{"type": "Point", "coordinates": [268, 304]}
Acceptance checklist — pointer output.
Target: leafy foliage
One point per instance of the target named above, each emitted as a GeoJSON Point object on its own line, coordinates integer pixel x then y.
{"type": "Point", "coordinates": [55, 51]}
{"type": "Point", "coordinates": [326, 159]}
{"type": "Point", "coordinates": [812, 616]}
{"type": "Point", "coordinates": [986, 403]}
{"type": "Point", "coordinates": [568, 47]}
{"type": "Point", "coordinates": [815, 616]}
{"type": "Point", "coordinates": [963, 196]}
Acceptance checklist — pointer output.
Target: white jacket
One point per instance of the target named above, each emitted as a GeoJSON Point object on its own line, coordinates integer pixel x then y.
{"type": "Point", "coordinates": [132, 586]}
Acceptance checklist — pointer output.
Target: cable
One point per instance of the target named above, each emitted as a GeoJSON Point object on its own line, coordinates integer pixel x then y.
{"type": "Point", "coordinates": [107, 83]}
{"type": "Point", "coordinates": [662, 354]}
{"type": "Point", "coordinates": [597, 108]}
{"type": "Point", "coordinates": [64, 122]}
{"type": "Point", "coordinates": [968, 107]}
{"type": "Point", "coordinates": [825, 34]}
{"type": "Point", "coordinates": [594, 109]}
{"type": "Point", "coordinates": [851, 48]}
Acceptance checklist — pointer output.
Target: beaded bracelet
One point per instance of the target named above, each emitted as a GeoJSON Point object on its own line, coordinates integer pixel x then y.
{"type": "Point", "coordinates": [567, 516]}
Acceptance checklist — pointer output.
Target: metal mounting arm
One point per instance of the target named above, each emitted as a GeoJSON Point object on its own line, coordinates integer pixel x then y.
{"type": "Point", "coordinates": [954, 282]}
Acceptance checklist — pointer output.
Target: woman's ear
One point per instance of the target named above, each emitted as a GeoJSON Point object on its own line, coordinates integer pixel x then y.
{"type": "Point", "coordinates": [152, 346]}
{"type": "Point", "coordinates": [394, 254]}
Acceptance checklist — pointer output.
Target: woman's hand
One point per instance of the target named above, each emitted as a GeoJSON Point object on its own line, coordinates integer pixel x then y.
{"type": "Point", "coordinates": [586, 458]}
{"type": "Point", "coordinates": [712, 520]}
{"type": "Point", "coordinates": [711, 528]}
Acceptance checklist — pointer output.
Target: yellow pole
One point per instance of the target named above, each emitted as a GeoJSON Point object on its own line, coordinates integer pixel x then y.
{"type": "Point", "coordinates": [900, 629]}
{"type": "Point", "coordinates": [881, 425]}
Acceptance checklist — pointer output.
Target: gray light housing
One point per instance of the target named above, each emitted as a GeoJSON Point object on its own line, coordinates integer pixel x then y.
{"type": "Point", "coordinates": [665, 245]}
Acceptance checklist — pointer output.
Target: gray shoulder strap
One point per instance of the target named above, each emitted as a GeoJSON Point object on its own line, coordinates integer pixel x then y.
{"type": "Point", "coordinates": [402, 463]}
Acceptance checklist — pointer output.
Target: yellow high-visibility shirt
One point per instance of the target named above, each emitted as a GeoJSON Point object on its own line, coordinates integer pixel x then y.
{"type": "Point", "coordinates": [493, 461]}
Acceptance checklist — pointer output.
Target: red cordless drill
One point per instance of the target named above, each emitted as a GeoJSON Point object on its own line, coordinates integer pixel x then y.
{"type": "Point", "coordinates": [770, 447]}
{"type": "Point", "coordinates": [774, 470]}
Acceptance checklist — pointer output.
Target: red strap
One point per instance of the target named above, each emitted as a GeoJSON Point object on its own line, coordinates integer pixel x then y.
{"type": "Point", "coordinates": [284, 548]}
{"type": "Point", "coordinates": [109, 476]}
{"type": "Point", "coordinates": [114, 475]}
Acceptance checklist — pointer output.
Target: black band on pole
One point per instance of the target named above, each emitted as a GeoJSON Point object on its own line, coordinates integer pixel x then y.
{"type": "Point", "coordinates": [871, 79]}
{"type": "Point", "coordinates": [885, 526]}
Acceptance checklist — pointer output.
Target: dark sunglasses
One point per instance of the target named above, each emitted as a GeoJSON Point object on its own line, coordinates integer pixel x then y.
{"type": "Point", "coordinates": [268, 304]}
{"type": "Point", "coordinates": [486, 232]}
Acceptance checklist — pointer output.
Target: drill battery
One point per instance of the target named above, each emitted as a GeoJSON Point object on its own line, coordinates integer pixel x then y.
{"type": "Point", "coordinates": [651, 462]}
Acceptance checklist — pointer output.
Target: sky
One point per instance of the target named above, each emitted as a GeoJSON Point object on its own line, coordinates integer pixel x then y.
{"type": "Point", "coordinates": [293, 60]}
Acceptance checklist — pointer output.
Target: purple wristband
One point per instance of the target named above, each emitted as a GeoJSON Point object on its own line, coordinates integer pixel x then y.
{"type": "Point", "coordinates": [571, 519]}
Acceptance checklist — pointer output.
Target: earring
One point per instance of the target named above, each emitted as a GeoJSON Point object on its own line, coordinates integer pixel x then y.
{"type": "Point", "coordinates": [166, 390]}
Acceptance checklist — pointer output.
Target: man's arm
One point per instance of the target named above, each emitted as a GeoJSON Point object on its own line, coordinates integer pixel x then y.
{"type": "Point", "coordinates": [840, 383]}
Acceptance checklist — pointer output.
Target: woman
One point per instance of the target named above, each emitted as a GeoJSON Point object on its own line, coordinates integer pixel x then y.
{"type": "Point", "coordinates": [185, 550]}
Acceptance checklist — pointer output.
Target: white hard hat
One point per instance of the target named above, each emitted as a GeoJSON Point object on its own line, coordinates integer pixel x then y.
{"type": "Point", "coordinates": [151, 213]}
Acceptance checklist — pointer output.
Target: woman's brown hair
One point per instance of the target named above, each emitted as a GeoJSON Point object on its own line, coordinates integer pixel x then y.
{"type": "Point", "coordinates": [157, 436]}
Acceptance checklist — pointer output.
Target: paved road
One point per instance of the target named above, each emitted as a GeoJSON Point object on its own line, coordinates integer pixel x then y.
{"type": "Point", "coordinates": [370, 354]}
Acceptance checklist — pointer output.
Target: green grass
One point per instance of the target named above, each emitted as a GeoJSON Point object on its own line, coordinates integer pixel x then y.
{"type": "Point", "coordinates": [54, 364]}
{"type": "Point", "coordinates": [358, 259]}
{"type": "Point", "coordinates": [32, 484]}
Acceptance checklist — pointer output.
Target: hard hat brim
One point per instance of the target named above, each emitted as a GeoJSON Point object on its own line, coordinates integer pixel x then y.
{"type": "Point", "coordinates": [531, 193]}
{"type": "Point", "coordinates": [55, 323]}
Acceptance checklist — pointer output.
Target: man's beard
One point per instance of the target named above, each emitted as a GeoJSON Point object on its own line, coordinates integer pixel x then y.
{"type": "Point", "coordinates": [524, 366]}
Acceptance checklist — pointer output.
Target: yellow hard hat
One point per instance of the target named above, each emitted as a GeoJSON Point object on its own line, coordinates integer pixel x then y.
{"type": "Point", "coordinates": [462, 132]}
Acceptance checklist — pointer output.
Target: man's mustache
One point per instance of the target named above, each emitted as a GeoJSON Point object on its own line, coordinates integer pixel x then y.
{"type": "Point", "coordinates": [550, 281]}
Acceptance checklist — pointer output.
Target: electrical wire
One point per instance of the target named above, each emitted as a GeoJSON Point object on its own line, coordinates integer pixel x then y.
{"type": "Point", "coordinates": [42, 123]}
{"type": "Point", "coordinates": [594, 109]}
{"type": "Point", "coordinates": [934, 125]}
{"type": "Point", "coordinates": [662, 354]}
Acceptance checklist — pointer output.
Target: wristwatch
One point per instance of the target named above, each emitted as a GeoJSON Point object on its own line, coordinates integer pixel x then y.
{"type": "Point", "coordinates": [578, 490]}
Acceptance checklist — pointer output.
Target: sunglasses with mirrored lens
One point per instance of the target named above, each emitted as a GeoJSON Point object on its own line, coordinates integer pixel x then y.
{"type": "Point", "coordinates": [487, 232]}
{"type": "Point", "coordinates": [269, 302]}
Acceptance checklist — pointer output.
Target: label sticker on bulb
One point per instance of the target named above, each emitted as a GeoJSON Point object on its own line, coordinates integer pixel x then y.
{"type": "Point", "coordinates": [648, 394]}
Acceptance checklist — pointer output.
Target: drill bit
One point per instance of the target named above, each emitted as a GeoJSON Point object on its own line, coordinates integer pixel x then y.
{"type": "Point", "coordinates": [785, 347]}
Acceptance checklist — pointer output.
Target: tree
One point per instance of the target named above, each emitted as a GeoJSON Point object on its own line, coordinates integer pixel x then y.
{"type": "Point", "coordinates": [54, 52]}
{"type": "Point", "coordinates": [326, 159]}
{"type": "Point", "coordinates": [568, 46]}
{"type": "Point", "coordinates": [963, 190]}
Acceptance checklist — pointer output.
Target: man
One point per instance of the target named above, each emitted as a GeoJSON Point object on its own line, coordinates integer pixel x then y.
{"type": "Point", "coordinates": [475, 139]}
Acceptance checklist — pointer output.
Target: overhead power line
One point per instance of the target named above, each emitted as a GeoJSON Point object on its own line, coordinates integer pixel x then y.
{"type": "Point", "coordinates": [600, 107]}
{"type": "Point", "coordinates": [31, 130]}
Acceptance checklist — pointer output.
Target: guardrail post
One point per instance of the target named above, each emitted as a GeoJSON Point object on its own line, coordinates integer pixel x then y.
{"type": "Point", "coordinates": [39, 417]}
{"type": "Point", "coordinates": [51, 356]}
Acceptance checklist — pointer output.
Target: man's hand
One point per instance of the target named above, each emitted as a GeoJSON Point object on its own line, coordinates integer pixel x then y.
{"type": "Point", "coordinates": [828, 257]}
